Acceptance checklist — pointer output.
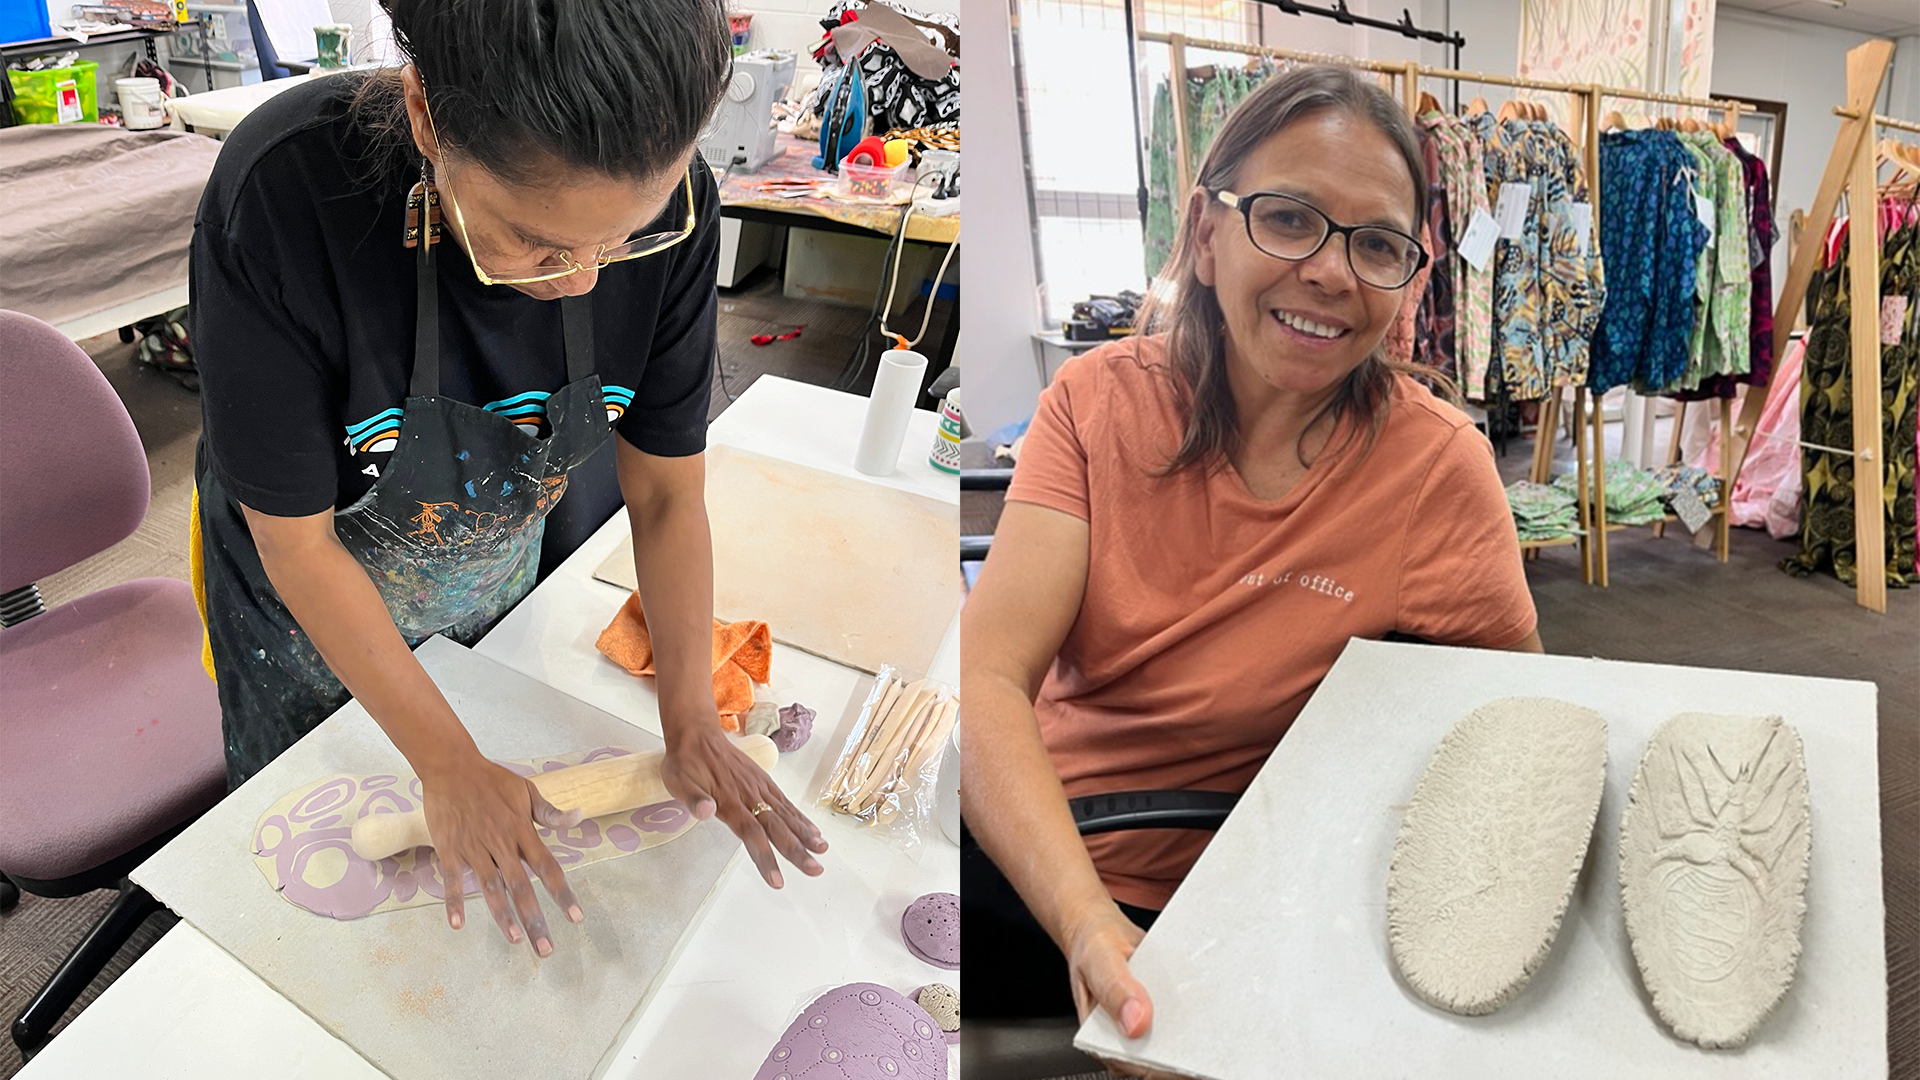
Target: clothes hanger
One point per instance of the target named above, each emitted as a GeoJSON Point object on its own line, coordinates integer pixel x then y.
{"type": "Point", "coordinates": [1614, 122]}
{"type": "Point", "coordinates": [1509, 110]}
{"type": "Point", "coordinates": [1478, 105]}
{"type": "Point", "coordinates": [1428, 103]}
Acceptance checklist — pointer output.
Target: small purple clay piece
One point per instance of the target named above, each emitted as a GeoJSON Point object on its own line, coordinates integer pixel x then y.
{"type": "Point", "coordinates": [860, 1031]}
{"type": "Point", "coordinates": [796, 724]}
{"type": "Point", "coordinates": [931, 928]}
{"type": "Point", "coordinates": [942, 1002]}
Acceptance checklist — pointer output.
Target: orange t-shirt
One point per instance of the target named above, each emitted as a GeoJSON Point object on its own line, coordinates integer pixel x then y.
{"type": "Point", "coordinates": [1211, 615]}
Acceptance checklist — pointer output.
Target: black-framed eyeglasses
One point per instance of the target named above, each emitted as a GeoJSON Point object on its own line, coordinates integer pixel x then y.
{"type": "Point", "coordinates": [1293, 229]}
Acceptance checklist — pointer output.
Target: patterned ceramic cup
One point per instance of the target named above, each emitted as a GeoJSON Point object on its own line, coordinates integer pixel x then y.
{"type": "Point", "coordinates": [946, 442]}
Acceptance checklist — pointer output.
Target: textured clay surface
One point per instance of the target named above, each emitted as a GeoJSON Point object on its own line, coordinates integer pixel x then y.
{"type": "Point", "coordinates": [942, 1002]}
{"type": "Point", "coordinates": [861, 1031]}
{"type": "Point", "coordinates": [931, 929]}
{"type": "Point", "coordinates": [1490, 848]}
{"type": "Point", "coordinates": [1713, 871]}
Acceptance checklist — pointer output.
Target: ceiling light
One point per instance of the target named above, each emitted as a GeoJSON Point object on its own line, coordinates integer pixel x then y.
{"type": "Point", "coordinates": [1832, 3]}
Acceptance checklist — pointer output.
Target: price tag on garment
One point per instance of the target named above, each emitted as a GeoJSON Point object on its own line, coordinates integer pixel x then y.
{"type": "Point", "coordinates": [1511, 209]}
{"type": "Point", "coordinates": [1893, 318]}
{"type": "Point", "coordinates": [1693, 513]}
{"type": "Point", "coordinates": [1581, 215]}
{"type": "Point", "coordinates": [1704, 209]}
{"type": "Point", "coordinates": [1476, 246]}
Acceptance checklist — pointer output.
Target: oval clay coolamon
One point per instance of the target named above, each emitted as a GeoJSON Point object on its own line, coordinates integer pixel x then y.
{"type": "Point", "coordinates": [1490, 848]}
{"type": "Point", "coordinates": [1713, 872]}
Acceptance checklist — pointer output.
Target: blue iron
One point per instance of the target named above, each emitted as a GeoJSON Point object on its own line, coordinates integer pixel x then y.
{"type": "Point", "coordinates": [844, 122]}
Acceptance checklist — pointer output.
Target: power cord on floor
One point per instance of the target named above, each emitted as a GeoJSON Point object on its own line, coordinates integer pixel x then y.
{"type": "Point", "coordinates": [856, 365]}
{"type": "Point", "coordinates": [721, 370]}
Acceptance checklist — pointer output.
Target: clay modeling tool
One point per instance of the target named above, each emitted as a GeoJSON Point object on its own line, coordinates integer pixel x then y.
{"type": "Point", "coordinates": [885, 743]}
{"type": "Point", "coordinates": [897, 695]}
{"type": "Point", "coordinates": [888, 775]}
{"type": "Point", "coordinates": [599, 787]}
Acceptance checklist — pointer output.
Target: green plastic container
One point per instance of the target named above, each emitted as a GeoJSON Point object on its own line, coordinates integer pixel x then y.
{"type": "Point", "coordinates": [33, 93]}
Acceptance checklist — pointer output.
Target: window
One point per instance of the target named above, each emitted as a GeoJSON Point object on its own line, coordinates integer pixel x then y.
{"type": "Point", "coordinates": [1084, 164]}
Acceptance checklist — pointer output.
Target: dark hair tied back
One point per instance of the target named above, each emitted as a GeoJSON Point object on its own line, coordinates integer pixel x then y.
{"type": "Point", "coordinates": [622, 87]}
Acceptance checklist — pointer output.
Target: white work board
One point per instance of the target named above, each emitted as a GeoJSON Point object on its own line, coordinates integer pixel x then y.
{"type": "Point", "coordinates": [415, 998]}
{"type": "Point", "coordinates": [861, 574]}
{"type": "Point", "coordinates": [1272, 960]}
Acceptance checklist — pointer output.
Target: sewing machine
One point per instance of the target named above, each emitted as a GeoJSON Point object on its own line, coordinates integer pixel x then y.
{"type": "Point", "coordinates": [741, 127]}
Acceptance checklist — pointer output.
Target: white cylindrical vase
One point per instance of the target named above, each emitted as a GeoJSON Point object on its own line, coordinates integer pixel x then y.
{"type": "Point", "coordinates": [895, 386]}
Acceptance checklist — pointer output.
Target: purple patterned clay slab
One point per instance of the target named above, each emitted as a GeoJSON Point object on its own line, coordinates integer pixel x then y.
{"type": "Point", "coordinates": [303, 842]}
{"type": "Point", "coordinates": [931, 928]}
{"type": "Point", "coordinates": [861, 1031]}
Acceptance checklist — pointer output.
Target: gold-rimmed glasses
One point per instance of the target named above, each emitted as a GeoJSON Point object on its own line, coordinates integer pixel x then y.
{"type": "Point", "coordinates": [563, 264]}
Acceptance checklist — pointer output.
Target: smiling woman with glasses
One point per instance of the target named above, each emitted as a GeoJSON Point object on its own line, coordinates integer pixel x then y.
{"type": "Point", "coordinates": [449, 317]}
{"type": "Point", "coordinates": [1201, 519]}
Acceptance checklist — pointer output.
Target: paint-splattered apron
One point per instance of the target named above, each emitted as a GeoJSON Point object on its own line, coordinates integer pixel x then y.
{"type": "Point", "coordinates": [450, 534]}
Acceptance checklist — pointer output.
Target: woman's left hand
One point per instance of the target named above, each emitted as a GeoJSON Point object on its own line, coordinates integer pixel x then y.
{"type": "Point", "coordinates": [704, 770]}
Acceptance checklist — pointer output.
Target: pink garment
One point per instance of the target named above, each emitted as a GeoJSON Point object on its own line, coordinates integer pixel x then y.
{"type": "Point", "coordinates": [1768, 493]}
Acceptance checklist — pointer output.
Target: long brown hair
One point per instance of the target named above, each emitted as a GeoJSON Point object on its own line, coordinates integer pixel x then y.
{"type": "Point", "coordinates": [1188, 312]}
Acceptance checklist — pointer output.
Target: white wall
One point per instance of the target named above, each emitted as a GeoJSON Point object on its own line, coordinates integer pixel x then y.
{"type": "Point", "coordinates": [998, 294]}
{"type": "Point", "coordinates": [1805, 65]}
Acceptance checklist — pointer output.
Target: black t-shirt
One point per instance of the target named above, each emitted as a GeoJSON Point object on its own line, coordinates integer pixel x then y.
{"type": "Point", "coordinates": [303, 315]}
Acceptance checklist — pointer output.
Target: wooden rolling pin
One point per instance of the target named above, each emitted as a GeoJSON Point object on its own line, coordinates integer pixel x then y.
{"type": "Point", "coordinates": [600, 787]}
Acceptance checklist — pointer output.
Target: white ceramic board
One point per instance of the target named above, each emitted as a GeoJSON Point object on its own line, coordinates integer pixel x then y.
{"type": "Point", "coordinates": [1272, 960]}
{"type": "Point", "coordinates": [418, 1000]}
{"type": "Point", "coordinates": [859, 573]}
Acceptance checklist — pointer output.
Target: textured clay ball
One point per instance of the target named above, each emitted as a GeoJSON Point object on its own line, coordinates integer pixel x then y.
{"type": "Point", "coordinates": [942, 1002]}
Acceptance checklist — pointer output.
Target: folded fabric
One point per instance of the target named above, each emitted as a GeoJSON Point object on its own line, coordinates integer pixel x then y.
{"type": "Point", "coordinates": [742, 656]}
{"type": "Point", "coordinates": [1677, 478]}
{"type": "Point", "coordinates": [1541, 511]}
{"type": "Point", "coordinates": [1634, 495]}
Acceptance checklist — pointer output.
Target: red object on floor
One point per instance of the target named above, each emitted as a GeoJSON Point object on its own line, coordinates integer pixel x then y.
{"type": "Point", "coordinates": [768, 339]}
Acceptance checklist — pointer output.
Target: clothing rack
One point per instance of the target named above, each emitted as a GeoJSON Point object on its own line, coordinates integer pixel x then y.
{"type": "Point", "coordinates": [1589, 421]}
{"type": "Point", "coordinates": [1851, 172]}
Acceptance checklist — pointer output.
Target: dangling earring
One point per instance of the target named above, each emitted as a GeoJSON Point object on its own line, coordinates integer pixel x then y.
{"type": "Point", "coordinates": [423, 196]}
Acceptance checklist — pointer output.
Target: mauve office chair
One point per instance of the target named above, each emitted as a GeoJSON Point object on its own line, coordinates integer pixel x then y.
{"type": "Point", "coordinates": [109, 727]}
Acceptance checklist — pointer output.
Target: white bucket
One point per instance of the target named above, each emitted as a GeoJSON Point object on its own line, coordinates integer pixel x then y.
{"type": "Point", "coordinates": [141, 105]}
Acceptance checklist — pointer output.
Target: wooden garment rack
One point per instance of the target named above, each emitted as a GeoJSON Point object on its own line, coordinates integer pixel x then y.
{"type": "Point", "coordinates": [1588, 415]}
{"type": "Point", "coordinates": [1850, 172]}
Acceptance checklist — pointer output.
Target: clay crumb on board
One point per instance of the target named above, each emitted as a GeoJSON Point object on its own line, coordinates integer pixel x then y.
{"type": "Point", "coordinates": [420, 1002]}
{"type": "Point", "coordinates": [386, 954]}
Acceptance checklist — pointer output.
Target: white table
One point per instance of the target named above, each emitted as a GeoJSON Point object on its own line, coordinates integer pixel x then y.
{"type": "Point", "coordinates": [216, 112]}
{"type": "Point", "coordinates": [189, 1009]}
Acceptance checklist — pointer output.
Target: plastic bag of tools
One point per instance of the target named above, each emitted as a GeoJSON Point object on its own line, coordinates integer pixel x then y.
{"type": "Point", "coordinates": [887, 774]}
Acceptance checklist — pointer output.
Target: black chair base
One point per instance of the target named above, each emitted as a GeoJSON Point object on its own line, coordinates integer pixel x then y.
{"type": "Point", "coordinates": [34, 1026]}
{"type": "Point", "coordinates": [9, 894]}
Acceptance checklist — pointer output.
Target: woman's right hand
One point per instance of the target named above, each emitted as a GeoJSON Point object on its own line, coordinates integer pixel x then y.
{"type": "Point", "coordinates": [1097, 955]}
{"type": "Point", "coordinates": [482, 817]}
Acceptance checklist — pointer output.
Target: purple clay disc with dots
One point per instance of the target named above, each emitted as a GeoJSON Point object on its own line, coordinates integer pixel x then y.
{"type": "Point", "coordinates": [931, 928]}
{"type": "Point", "coordinates": [860, 1031]}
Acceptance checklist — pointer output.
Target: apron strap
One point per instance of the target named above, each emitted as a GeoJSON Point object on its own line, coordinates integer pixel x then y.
{"type": "Point", "coordinates": [426, 325]}
{"type": "Point", "coordinates": [576, 328]}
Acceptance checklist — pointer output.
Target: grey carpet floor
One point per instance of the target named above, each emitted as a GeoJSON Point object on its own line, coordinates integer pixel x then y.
{"type": "Point", "coordinates": [35, 937]}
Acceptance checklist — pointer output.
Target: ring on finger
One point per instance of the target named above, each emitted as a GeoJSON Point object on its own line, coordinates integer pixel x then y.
{"type": "Point", "coordinates": [760, 808]}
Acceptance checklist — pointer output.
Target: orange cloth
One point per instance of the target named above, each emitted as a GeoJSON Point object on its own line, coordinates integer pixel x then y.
{"type": "Point", "coordinates": [742, 656]}
{"type": "Point", "coordinates": [1210, 615]}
